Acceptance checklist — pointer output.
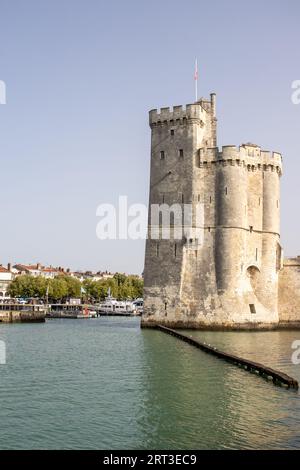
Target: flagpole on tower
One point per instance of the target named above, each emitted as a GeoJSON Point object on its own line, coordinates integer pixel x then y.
{"type": "Point", "coordinates": [196, 79]}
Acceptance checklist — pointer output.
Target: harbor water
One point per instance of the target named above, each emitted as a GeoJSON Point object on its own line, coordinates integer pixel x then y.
{"type": "Point", "coordinates": [104, 383]}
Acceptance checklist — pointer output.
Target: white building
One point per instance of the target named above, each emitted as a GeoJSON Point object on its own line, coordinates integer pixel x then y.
{"type": "Point", "coordinates": [6, 276]}
{"type": "Point", "coordinates": [37, 270]}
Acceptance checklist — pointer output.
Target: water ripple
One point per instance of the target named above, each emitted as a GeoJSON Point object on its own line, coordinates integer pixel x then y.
{"type": "Point", "coordinates": [106, 384]}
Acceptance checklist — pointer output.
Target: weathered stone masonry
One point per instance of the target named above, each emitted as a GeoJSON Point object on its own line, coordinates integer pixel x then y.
{"type": "Point", "coordinates": [230, 278]}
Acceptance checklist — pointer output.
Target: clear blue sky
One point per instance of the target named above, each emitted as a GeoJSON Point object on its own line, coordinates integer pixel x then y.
{"type": "Point", "coordinates": [81, 76]}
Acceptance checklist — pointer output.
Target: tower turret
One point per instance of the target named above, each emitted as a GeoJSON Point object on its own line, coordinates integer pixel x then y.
{"type": "Point", "coordinates": [223, 270]}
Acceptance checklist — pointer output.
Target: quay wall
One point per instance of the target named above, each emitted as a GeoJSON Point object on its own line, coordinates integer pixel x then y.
{"type": "Point", "coordinates": [289, 293]}
{"type": "Point", "coordinates": [12, 316]}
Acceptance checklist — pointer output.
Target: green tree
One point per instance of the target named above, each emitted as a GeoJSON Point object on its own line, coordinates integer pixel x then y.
{"type": "Point", "coordinates": [62, 287]}
{"type": "Point", "coordinates": [23, 286]}
{"type": "Point", "coordinates": [40, 287]}
{"type": "Point", "coordinates": [73, 285]}
{"type": "Point", "coordinates": [58, 289]}
{"type": "Point", "coordinates": [137, 285]}
{"type": "Point", "coordinates": [120, 278]}
{"type": "Point", "coordinates": [92, 290]}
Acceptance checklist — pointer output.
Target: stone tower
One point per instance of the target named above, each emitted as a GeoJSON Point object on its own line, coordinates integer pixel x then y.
{"type": "Point", "coordinates": [227, 277]}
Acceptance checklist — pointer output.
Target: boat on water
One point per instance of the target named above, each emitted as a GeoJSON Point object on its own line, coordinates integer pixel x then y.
{"type": "Point", "coordinates": [24, 313]}
{"type": "Point", "coordinates": [138, 305]}
{"type": "Point", "coordinates": [112, 306]}
{"type": "Point", "coordinates": [71, 311]}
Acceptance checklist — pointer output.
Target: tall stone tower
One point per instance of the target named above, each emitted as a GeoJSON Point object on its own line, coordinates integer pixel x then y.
{"type": "Point", "coordinates": [227, 277]}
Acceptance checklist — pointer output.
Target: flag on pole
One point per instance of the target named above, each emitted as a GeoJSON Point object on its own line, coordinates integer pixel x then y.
{"type": "Point", "coordinates": [196, 70]}
{"type": "Point", "coordinates": [196, 79]}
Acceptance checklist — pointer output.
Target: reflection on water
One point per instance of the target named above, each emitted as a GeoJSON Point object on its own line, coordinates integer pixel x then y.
{"type": "Point", "coordinates": [104, 383]}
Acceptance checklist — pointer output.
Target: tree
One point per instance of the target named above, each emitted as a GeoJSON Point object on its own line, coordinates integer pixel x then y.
{"type": "Point", "coordinates": [58, 288]}
{"type": "Point", "coordinates": [40, 287]}
{"type": "Point", "coordinates": [120, 278]}
{"type": "Point", "coordinates": [73, 286]}
{"type": "Point", "coordinates": [137, 285]}
{"type": "Point", "coordinates": [24, 286]}
{"type": "Point", "coordinates": [63, 287]}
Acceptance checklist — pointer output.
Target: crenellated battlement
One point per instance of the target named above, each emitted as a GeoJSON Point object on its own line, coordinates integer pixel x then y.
{"type": "Point", "coordinates": [248, 155]}
{"type": "Point", "coordinates": [177, 114]}
{"type": "Point", "coordinates": [200, 111]}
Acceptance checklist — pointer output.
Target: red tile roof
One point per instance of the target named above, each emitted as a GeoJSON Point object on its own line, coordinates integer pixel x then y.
{"type": "Point", "coordinates": [3, 270]}
{"type": "Point", "coordinates": [24, 267]}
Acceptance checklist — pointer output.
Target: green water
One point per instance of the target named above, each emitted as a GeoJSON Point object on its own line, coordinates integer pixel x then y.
{"type": "Point", "coordinates": [106, 384]}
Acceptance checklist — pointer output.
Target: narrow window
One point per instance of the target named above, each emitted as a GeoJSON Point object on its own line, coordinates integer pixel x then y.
{"type": "Point", "coordinates": [172, 131]}
{"type": "Point", "coordinates": [175, 250]}
{"type": "Point", "coordinates": [251, 228]}
{"type": "Point", "coordinates": [172, 219]}
{"type": "Point", "coordinates": [163, 199]}
{"type": "Point", "coordinates": [182, 198]}
{"type": "Point", "coordinates": [157, 249]}
{"type": "Point", "coordinates": [226, 192]}
{"type": "Point", "coordinates": [259, 201]}
{"type": "Point", "coordinates": [166, 308]}
{"type": "Point", "coordinates": [162, 155]}
{"type": "Point", "coordinates": [252, 308]}
{"type": "Point", "coordinates": [198, 197]}
{"type": "Point", "coordinates": [198, 159]}
{"type": "Point", "coordinates": [210, 199]}
{"type": "Point", "coordinates": [181, 153]}
{"type": "Point", "coordinates": [209, 229]}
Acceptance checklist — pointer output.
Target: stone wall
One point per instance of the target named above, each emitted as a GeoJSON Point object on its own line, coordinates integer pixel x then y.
{"type": "Point", "coordinates": [289, 293]}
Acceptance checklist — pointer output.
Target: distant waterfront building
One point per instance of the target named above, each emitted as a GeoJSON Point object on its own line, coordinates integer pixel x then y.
{"type": "Point", "coordinates": [50, 272]}
{"type": "Point", "coordinates": [232, 275]}
{"type": "Point", "coordinates": [38, 270]}
{"type": "Point", "coordinates": [6, 276]}
{"type": "Point", "coordinates": [99, 276]}
{"type": "Point", "coordinates": [33, 270]}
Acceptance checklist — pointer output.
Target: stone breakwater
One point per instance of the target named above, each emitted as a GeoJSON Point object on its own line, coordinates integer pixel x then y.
{"type": "Point", "coordinates": [277, 377]}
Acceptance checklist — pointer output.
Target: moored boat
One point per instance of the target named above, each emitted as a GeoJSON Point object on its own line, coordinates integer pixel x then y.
{"type": "Point", "coordinates": [112, 306]}
{"type": "Point", "coordinates": [138, 306]}
{"type": "Point", "coordinates": [71, 311]}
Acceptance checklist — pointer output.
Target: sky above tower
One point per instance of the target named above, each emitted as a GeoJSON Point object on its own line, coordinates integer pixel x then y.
{"type": "Point", "coordinates": [80, 79]}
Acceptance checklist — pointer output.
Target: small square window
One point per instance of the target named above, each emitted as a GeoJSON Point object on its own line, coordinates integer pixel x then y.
{"type": "Point", "coordinates": [162, 155]}
{"type": "Point", "coordinates": [252, 308]}
{"type": "Point", "coordinates": [181, 153]}
{"type": "Point", "coordinates": [172, 132]}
